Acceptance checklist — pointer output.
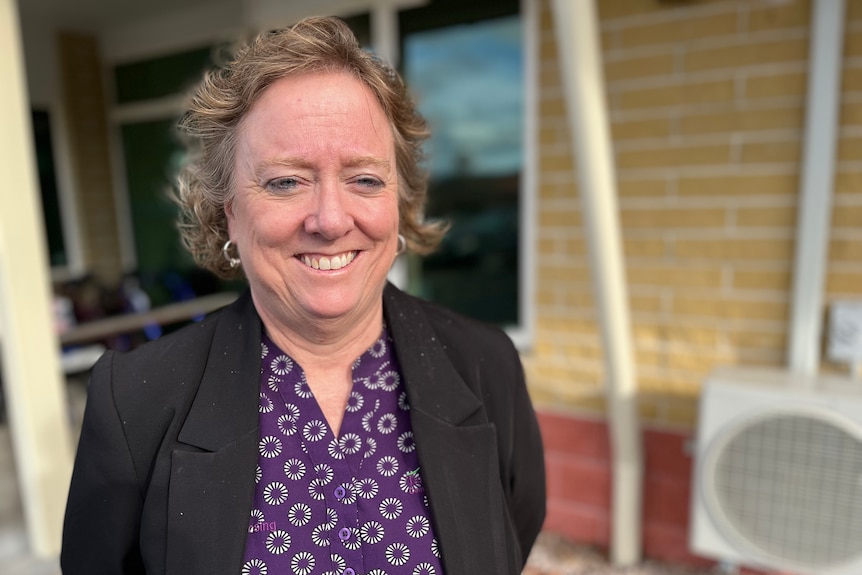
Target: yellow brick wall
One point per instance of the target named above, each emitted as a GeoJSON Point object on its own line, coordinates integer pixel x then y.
{"type": "Point", "coordinates": [707, 104]}
{"type": "Point", "coordinates": [84, 102]}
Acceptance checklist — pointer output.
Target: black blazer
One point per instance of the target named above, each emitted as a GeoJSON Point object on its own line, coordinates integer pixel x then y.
{"type": "Point", "coordinates": [164, 475]}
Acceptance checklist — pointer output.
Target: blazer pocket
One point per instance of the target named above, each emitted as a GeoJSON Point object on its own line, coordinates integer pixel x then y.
{"type": "Point", "coordinates": [460, 468]}
{"type": "Point", "coordinates": [209, 500]}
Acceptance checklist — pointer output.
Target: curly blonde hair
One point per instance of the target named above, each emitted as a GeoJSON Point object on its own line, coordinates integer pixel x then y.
{"type": "Point", "coordinates": [226, 94]}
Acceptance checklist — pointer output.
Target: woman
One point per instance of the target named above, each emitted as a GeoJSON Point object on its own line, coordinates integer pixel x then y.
{"type": "Point", "coordinates": [325, 422]}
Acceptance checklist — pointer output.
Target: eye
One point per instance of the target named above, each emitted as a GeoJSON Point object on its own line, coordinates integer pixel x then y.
{"type": "Point", "coordinates": [368, 182]}
{"type": "Point", "coordinates": [282, 184]}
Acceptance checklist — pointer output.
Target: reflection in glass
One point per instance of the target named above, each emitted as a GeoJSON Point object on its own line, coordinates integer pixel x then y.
{"type": "Point", "coordinates": [468, 83]}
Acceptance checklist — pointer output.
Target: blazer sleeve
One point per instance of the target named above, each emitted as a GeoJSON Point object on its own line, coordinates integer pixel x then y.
{"type": "Point", "coordinates": [527, 503]}
{"type": "Point", "coordinates": [102, 524]}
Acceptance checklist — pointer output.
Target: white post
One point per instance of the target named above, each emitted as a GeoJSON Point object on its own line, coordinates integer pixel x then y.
{"type": "Point", "coordinates": [815, 191]}
{"type": "Point", "coordinates": [31, 369]}
{"type": "Point", "coordinates": [576, 23]}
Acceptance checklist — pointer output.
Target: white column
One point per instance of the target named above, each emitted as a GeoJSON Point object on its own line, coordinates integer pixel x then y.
{"type": "Point", "coordinates": [31, 369]}
{"type": "Point", "coordinates": [579, 47]}
{"type": "Point", "coordinates": [816, 183]}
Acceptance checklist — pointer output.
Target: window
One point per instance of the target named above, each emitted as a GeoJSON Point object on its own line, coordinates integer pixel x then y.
{"type": "Point", "coordinates": [51, 210]}
{"type": "Point", "coordinates": [466, 68]}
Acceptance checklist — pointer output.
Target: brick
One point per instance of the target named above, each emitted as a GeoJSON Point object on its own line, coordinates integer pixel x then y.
{"type": "Point", "coordinates": [668, 275]}
{"type": "Point", "coordinates": [851, 113]}
{"type": "Point", "coordinates": [648, 409]}
{"type": "Point", "coordinates": [668, 542]}
{"type": "Point", "coordinates": [560, 218]}
{"type": "Point", "coordinates": [848, 182]}
{"type": "Point", "coordinates": [639, 67]}
{"type": "Point", "coordinates": [736, 249]}
{"type": "Point", "coordinates": [760, 279]}
{"type": "Point", "coordinates": [568, 435]}
{"type": "Point", "coordinates": [556, 163]}
{"type": "Point", "coordinates": [746, 54]}
{"type": "Point", "coordinates": [740, 185]}
{"type": "Point", "coordinates": [847, 216]}
{"type": "Point", "coordinates": [849, 148]}
{"type": "Point", "coordinates": [678, 93]}
{"type": "Point", "coordinates": [666, 500]}
{"type": "Point", "coordinates": [665, 454]}
{"type": "Point", "coordinates": [611, 9]}
{"type": "Point", "coordinates": [580, 297]}
{"type": "Point", "coordinates": [845, 250]}
{"type": "Point", "coordinates": [652, 334]}
{"type": "Point", "coordinates": [634, 129]}
{"type": "Point", "coordinates": [576, 246]}
{"type": "Point", "coordinates": [645, 303]}
{"type": "Point", "coordinates": [771, 152]}
{"type": "Point", "coordinates": [682, 411]}
{"type": "Point", "coordinates": [556, 190]}
{"type": "Point", "coordinates": [757, 339]}
{"type": "Point", "coordinates": [771, 217]}
{"type": "Point", "coordinates": [642, 247]}
{"type": "Point", "coordinates": [673, 218]}
{"type": "Point", "coordinates": [552, 107]}
{"type": "Point", "coordinates": [782, 15]}
{"type": "Point", "coordinates": [668, 383]}
{"type": "Point", "coordinates": [702, 362]}
{"type": "Point", "coordinates": [674, 155]}
{"type": "Point", "coordinates": [579, 481]}
{"type": "Point", "coordinates": [562, 373]}
{"type": "Point", "coordinates": [579, 523]}
{"type": "Point", "coordinates": [642, 188]}
{"type": "Point", "coordinates": [680, 31]}
{"type": "Point", "coordinates": [652, 358]}
{"type": "Point", "coordinates": [564, 274]}
{"type": "Point", "coordinates": [844, 283]}
{"type": "Point", "coordinates": [549, 78]}
{"type": "Point", "coordinates": [728, 308]}
{"type": "Point", "coordinates": [851, 79]}
{"type": "Point", "coordinates": [547, 47]}
{"type": "Point", "coordinates": [853, 12]}
{"type": "Point", "coordinates": [555, 324]}
{"type": "Point", "coordinates": [777, 118]}
{"type": "Point", "coordinates": [547, 246]}
{"type": "Point", "coordinates": [852, 44]}
{"type": "Point", "coordinates": [776, 85]}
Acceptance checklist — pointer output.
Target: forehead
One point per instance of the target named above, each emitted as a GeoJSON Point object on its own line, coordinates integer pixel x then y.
{"type": "Point", "coordinates": [318, 97]}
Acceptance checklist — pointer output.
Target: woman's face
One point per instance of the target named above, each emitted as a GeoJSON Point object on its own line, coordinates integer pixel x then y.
{"type": "Point", "coordinates": [315, 210]}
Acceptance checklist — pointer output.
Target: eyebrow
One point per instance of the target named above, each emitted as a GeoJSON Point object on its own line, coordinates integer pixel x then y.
{"type": "Point", "coordinates": [355, 162]}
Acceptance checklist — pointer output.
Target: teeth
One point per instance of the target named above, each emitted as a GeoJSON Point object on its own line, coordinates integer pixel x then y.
{"type": "Point", "coordinates": [333, 263]}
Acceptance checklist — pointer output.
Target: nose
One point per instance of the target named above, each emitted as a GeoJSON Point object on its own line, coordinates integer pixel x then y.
{"type": "Point", "coordinates": [330, 215]}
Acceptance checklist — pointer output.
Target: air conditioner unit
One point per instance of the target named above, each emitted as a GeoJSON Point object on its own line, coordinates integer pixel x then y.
{"type": "Point", "coordinates": [778, 475]}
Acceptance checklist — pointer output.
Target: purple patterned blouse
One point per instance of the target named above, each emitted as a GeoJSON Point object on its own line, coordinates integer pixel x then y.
{"type": "Point", "coordinates": [352, 505]}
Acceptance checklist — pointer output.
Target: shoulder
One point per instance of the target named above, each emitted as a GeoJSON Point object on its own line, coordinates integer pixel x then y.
{"type": "Point", "coordinates": [471, 346]}
{"type": "Point", "coordinates": [169, 368]}
{"type": "Point", "coordinates": [448, 324]}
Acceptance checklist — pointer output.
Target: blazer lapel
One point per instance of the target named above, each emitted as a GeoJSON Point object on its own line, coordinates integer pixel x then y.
{"type": "Point", "coordinates": [212, 483]}
{"type": "Point", "coordinates": [456, 445]}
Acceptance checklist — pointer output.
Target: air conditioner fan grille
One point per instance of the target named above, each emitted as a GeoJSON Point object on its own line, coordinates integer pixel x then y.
{"type": "Point", "coordinates": [790, 486]}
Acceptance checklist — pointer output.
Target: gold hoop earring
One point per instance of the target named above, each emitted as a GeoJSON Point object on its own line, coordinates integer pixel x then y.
{"type": "Point", "coordinates": [232, 261]}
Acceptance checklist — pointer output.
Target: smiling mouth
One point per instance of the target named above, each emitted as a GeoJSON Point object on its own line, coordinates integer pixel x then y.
{"type": "Point", "coordinates": [328, 263]}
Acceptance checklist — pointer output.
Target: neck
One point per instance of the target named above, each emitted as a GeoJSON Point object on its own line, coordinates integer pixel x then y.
{"type": "Point", "coordinates": [324, 343]}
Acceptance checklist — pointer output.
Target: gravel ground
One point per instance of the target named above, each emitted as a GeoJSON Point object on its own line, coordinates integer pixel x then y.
{"type": "Point", "coordinates": [553, 555]}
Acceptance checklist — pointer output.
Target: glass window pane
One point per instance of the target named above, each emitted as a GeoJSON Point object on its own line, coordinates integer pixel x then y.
{"type": "Point", "coordinates": [48, 187]}
{"type": "Point", "coordinates": [160, 77]}
{"type": "Point", "coordinates": [468, 82]}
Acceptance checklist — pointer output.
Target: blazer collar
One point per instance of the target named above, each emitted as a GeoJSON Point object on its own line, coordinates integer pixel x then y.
{"type": "Point", "coordinates": [226, 405]}
{"type": "Point", "coordinates": [434, 386]}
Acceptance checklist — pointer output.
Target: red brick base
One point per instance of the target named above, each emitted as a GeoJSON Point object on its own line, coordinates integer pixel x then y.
{"type": "Point", "coordinates": [578, 464]}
